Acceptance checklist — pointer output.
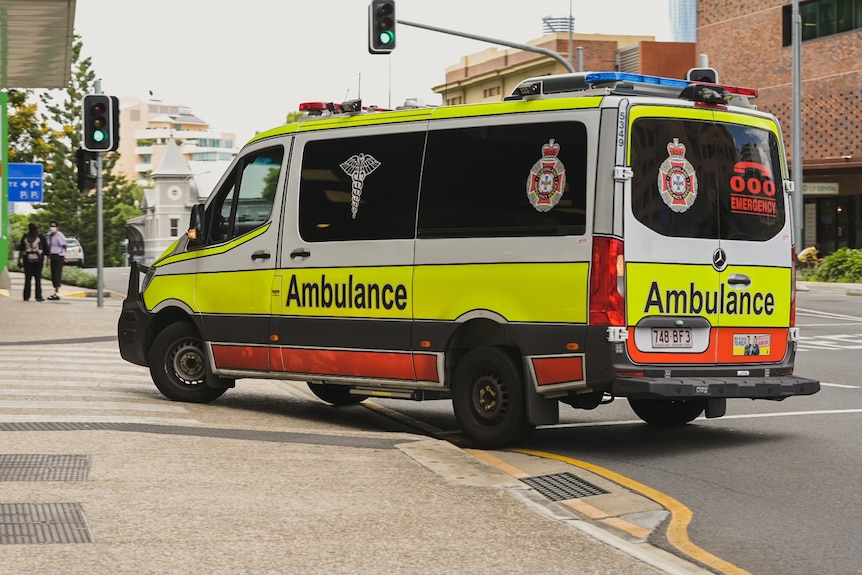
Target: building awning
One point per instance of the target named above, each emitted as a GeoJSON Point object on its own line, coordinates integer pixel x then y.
{"type": "Point", "coordinates": [36, 43]}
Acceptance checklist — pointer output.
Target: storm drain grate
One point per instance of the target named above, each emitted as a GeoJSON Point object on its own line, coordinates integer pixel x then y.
{"type": "Point", "coordinates": [23, 523]}
{"type": "Point", "coordinates": [17, 467]}
{"type": "Point", "coordinates": [562, 486]}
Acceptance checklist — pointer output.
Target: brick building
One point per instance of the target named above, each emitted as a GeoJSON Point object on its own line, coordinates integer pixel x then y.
{"type": "Point", "coordinates": [490, 75]}
{"type": "Point", "coordinates": [749, 42]}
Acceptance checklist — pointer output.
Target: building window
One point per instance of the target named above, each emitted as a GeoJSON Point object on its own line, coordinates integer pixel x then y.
{"type": "Point", "coordinates": [824, 18]}
{"type": "Point", "coordinates": [175, 227]}
{"type": "Point", "coordinates": [493, 92]}
{"type": "Point", "coordinates": [455, 101]}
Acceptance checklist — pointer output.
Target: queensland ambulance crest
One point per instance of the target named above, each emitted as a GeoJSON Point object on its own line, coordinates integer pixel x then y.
{"type": "Point", "coordinates": [677, 182]}
{"type": "Point", "coordinates": [546, 182]}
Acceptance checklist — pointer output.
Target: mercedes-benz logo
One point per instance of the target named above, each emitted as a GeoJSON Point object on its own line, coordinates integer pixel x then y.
{"type": "Point", "coordinates": [719, 259]}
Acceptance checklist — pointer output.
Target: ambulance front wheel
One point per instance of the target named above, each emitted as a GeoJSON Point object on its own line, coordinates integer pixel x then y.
{"type": "Point", "coordinates": [668, 411]}
{"type": "Point", "coordinates": [178, 365]}
{"type": "Point", "coordinates": [334, 394]}
{"type": "Point", "coordinates": [489, 400]}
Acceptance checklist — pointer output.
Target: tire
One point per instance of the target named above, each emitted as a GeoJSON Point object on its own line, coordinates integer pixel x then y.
{"type": "Point", "coordinates": [178, 365]}
{"type": "Point", "coordinates": [488, 398]}
{"type": "Point", "coordinates": [334, 394]}
{"type": "Point", "coordinates": [668, 411]}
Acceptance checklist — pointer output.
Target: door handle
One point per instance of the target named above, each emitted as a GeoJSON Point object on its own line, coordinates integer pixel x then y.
{"type": "Point", "coordinates": [299, 253]}
{"type": "Point", "coordinates": [260, 255]}
{"type": "Point", "coordinates": [739, 280]}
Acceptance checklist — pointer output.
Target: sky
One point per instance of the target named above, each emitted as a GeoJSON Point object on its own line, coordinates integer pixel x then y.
{"type": "Point", "coordinates": [243, 66]}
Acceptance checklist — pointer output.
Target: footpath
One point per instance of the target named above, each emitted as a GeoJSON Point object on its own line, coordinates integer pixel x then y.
{"type": "Point", "coordinates": [278, 482]}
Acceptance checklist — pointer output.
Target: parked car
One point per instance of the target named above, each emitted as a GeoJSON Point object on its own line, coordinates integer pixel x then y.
{"type": "Point", "coordinates": [74, 253]}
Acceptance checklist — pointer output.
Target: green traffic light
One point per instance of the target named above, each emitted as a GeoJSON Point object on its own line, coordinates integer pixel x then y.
{"type": "Point", "coordinates": [387, 37]}
{"type": "Point", "coordinates": [99, 136]}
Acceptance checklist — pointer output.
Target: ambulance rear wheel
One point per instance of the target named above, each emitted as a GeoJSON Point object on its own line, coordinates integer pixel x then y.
{"type": "Point", "coordinates": [668, 411]}
{"type": "Point", "coordinates": [334, 394]}
{"type": "Point", "coordinates": [489, 400]}
{"type": "Point", "coordinates": [178, 365]}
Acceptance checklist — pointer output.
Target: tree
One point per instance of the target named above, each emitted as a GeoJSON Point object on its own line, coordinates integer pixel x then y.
{"type": "Point", "coordinates": [26, 137]}
{"type": "Point", "coordinates": [27, 131]}
{"type": "Point", "coordinates": [76, 211]}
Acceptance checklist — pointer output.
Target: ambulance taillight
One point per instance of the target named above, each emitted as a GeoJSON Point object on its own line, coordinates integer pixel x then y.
{"type": "Point", "coordinates": [607, 283]}
{"type": "Point", "coordinates": [793, 287]}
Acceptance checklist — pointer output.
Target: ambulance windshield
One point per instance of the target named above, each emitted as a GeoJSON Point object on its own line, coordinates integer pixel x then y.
{"type": "Point", "coordinates": [708, 180]}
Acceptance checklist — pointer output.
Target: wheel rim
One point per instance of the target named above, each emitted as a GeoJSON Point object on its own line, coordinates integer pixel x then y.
{"type": "Point", "coordinates": [488, 398]}
{"type": "Point", "coordinates": [187, 363]}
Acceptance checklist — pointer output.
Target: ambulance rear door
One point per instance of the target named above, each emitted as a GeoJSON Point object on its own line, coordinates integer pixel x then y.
{"type": "Point", "coordinates": [707, 240]}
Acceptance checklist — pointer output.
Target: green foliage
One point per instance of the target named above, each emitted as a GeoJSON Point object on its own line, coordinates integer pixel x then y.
{"type": "Point", "coordinates": [27, 133]}
{"type": "Point", "coordinates": [75, 277]}
{"type": "Point", "coordinates": [71, 276]}
{"type": "Point", "coordinates": [843, 266]}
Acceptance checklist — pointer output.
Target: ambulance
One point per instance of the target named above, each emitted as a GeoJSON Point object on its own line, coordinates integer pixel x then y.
{"type": "Point", "coordinates": [592, 236]}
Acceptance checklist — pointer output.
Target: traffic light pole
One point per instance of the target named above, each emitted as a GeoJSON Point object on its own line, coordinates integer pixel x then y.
{"type": "Point", "coordinates": [100, 248]}
{"type": "Point", "coordinates": [796, 123]}
{"type": "Point", "coordinates": [525, 47]}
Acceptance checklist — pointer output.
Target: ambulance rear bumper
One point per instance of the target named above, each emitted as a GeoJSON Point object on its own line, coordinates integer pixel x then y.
{"type": "Point", "coordinates": [777, 388]}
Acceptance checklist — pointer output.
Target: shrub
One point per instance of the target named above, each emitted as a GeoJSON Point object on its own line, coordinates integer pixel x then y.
{"type": "Point", "coordinates": [843, 266]}
{"type": "Point", "coordinates": [71, 276]}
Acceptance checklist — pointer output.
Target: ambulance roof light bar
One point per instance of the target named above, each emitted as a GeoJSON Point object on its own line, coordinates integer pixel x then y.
{"type": "Point", "coordinates": [330, 108]}
{"type": "Point", "coordinates": [627, 83]}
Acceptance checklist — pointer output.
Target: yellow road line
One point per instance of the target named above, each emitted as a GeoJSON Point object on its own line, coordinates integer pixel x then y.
{"type": "Point", "coordinates": [495, 461]}
{"type": "Point", "coordinates": [680, 515]}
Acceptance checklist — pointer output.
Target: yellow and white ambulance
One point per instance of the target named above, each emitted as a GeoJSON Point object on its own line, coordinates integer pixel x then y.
{"type": "Point", "coordinates": [593, 236]}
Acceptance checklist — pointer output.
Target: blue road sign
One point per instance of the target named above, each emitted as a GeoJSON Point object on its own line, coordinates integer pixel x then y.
{"type": "Point", "coordinates": [25, 182]}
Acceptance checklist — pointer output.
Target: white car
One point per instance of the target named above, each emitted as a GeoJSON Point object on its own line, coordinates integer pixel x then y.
{"type": "Point", "coordinates": [74, 253]}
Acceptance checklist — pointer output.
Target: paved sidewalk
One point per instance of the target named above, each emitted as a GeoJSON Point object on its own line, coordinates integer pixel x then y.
{"type": "Point", "coordinates": [270, 480]}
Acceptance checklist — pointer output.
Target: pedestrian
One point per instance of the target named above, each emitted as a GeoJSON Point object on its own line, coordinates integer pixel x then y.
{"type": "Point", "coordinates": [57, 255]}
{"type": "Point", "coordinates": [31, 257]}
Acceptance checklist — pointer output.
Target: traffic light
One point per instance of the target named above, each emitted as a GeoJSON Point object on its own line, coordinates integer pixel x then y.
{"type": "Point", "coordinates": [381, 26]}
{"type": "Point", "coordinates": [708, 75]}
{"type": "Point", "coordinates": [101, 120]}
{"type": "Point", "coordinates": [87, 174]}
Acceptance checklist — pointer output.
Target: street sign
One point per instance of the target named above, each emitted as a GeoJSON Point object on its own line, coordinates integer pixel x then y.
{"type": "Point", "coordinates": [25, 182]}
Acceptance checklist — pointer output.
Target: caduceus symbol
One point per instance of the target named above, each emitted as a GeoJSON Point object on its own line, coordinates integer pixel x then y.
{"type": "Point", "coordinates": [358, 167]}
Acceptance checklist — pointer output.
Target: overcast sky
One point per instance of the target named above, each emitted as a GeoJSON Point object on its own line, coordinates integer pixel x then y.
{"type": "Point", "coordinates": [242, 66]}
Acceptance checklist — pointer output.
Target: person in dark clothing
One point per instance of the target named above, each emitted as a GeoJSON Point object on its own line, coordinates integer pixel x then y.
{"type": "Point", "coordinates": [31, 256]}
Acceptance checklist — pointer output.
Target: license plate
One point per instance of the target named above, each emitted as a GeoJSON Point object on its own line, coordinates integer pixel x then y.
{"type": "Point", "coordinates": [671, 337]}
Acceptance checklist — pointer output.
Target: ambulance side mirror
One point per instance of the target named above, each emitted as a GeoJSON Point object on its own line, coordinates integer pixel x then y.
{"type": "Point", "coordinates": [197, 229]}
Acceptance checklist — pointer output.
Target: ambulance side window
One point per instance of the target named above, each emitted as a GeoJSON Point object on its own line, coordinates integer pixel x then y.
{"type": "Point", "coordinates": [245, 200]}
{"type": "Point", "coordinates": [360, 188]}
{"type": "Point", "coordinates": [509, 180]}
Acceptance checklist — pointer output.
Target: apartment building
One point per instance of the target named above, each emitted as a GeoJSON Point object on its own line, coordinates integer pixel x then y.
{"type": "Point", "coordinates": [146, 126]}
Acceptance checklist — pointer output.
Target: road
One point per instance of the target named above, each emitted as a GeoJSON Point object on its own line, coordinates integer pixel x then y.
{"type": "Point", "coordinates": [773, 486]}
{"type": "Point", "coordinates": [115, 279]}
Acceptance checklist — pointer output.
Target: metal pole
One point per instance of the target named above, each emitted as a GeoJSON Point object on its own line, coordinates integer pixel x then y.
{"type": "Point", "coordinates": [100, 249]}
{"type": "Point", "coordinates": [525, 47]}
{"type": "Point", "coordinates": [571, 31]}
{"type": "Point", "coordinates": [99, 233]}
{"type": "Point", "coordinates": [796, 160]}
